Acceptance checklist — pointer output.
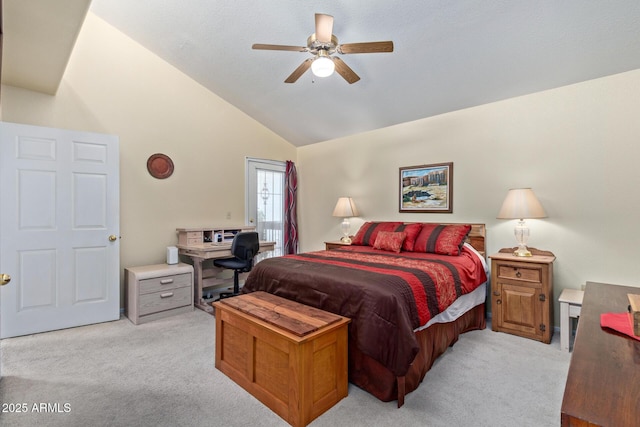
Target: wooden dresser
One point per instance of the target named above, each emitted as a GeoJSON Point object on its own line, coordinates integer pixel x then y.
{"type": "Point", "coordinates": [603, 384]}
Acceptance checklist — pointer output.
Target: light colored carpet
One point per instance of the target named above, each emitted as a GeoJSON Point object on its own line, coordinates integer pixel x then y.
{"type": "Point", "coordinates": [162, 374]}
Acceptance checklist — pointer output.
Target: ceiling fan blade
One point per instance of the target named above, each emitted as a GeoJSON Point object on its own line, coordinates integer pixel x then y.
{"type": "Point", "coordinates": [279, 47]}
{"type": "Point", "coordinates": [324, 27]}
{"type": "Point", "coordinates": [368, 47]}
{"type": "Point", "coordinates": [302, 68]}
{"type": "Point", "coordinates": [343, 69]}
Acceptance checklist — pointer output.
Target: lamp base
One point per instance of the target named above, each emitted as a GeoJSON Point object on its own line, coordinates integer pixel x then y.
{"type": "Point", "coordinates": [522, 251]}
{"type": "Point", "coordinates": [346, 227]}
{"type": "Point", "coordinates": [522, 237]}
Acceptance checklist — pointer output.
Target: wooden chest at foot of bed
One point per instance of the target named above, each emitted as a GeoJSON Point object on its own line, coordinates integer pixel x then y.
{"type": "Point", "coordinates": [291, 357]}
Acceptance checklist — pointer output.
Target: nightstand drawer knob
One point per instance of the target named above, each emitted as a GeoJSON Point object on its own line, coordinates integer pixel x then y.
{"type": "Point", "coordinates": [166, 295]}
{"type": "Point", "coordinates": [518, 274]}
{"type": "Point", "coordinates": [166, 281]}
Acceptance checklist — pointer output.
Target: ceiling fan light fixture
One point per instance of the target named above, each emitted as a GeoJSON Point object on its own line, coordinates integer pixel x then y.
{"type": "Point", "coordinates": [323, 65]}
{"type": "Point", "coordinates": [321, 45]}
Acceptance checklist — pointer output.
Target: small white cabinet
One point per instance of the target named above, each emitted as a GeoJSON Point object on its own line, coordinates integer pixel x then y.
{"type": "Point", "coordinates": [157, 291]}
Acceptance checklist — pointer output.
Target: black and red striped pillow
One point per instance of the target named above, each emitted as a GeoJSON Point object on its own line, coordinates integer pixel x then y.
{"type": "Point", "coordinates": [366, 235]}
{"type": "Point", "coordinates": [442, 239]}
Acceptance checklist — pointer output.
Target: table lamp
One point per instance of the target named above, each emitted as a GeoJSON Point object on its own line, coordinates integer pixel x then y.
{"type": "Point", "coordinates": [345, 208]}
{"type": "Point", "coordinates": [520, 204]}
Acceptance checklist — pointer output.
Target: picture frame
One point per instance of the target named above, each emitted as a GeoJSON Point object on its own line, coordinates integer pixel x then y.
{"type": "Point", "coordinates": [427, 188]}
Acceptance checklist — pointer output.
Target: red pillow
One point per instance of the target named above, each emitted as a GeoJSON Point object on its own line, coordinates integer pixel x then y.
{"type": "Point", "coordinates": [390, 241]}
{"type": "Point", "coordinates": [412, 231]}
{"type": "Point", "coordinates": [367, 234]}
{"type": "Point", "coordinates": [441, 239]}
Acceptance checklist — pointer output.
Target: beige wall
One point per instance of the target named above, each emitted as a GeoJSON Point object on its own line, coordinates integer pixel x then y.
{"type": "Point", "coordinates": [576, 146]}
{"type": "Point", "coordinates": [113, 85]}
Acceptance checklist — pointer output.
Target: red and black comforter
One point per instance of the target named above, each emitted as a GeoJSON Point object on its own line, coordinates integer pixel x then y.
{"type": "Point", "coordinates": [387, 295]}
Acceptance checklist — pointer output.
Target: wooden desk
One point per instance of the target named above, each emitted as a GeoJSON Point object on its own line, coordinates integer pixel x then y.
{"type": "Point", "coordinates": [603, 385]}
{"type": "Point", "coordinates": [203, 278]}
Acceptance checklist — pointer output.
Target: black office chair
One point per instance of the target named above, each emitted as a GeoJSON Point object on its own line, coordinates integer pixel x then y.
{"type": "Point", "coordinates": [244, 247]}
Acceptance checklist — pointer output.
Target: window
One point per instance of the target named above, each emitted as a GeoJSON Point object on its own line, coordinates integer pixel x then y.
{"type": "Point", "coordinates": [265, 201]}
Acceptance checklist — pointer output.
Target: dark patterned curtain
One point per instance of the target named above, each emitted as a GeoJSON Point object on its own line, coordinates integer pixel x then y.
{"type": "Point", "coordinates": [290, 210]}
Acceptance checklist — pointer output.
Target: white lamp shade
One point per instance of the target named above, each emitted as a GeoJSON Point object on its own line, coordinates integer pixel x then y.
{"type": "Point", "coordinates": [345, 208]}
{"type": "Point", "coordinates": [521, 203]}
{"type": "Point", "coordinates": [322, 66]}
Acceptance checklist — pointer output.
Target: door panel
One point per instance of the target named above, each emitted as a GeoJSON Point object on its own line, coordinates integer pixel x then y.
{"type": "Point", "coordinates": [60, 193]}
{"type": "Point", "coordinates": [36, 280]}
{"type": "Point", "coordinates": [90, 276]}
{"type": "Point", "coordinates": [36, 200]}
{"type": "Point", "coordinates": [90, 199]}
{"type": "Point", "coordinates": [520, 305]}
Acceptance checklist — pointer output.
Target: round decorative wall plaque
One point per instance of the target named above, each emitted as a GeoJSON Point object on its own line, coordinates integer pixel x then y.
{"type": "Point", "coordinates": [160, 166]}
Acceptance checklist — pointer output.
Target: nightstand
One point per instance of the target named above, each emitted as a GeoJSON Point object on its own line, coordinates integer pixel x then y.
{"type": "Point", "coordinates": [570, 306]}
{"type": "Point", "coordinates": [335, 245]}
{"type": "Point", "coordinates": [522, 294]}
{"type": "Point", "coordinates": [157, 291]}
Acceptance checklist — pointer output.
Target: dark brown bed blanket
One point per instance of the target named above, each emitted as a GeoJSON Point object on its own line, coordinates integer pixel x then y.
{"type": "Point", "coordinates": [371, 376]}
{"type": "Point", "coordinates": [386, 295]}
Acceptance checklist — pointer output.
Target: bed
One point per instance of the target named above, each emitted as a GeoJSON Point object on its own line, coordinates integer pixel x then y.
{"type": "Point", "coordinates": [410, 290]}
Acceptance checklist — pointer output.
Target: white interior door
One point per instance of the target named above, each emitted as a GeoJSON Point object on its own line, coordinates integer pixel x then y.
{"type": "Point", "coordinates": [59, 229]}
{"type": "Point", "coordinates": [265, 201]}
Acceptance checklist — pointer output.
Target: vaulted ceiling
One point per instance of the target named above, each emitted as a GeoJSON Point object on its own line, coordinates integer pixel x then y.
{"type": "Point", "coordinates": [38, 39]}
{"type": "Point", "coordinates": [448, 54]}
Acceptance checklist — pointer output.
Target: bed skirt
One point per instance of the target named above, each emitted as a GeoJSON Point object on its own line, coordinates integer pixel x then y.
{"type": "Point", "coordinates": [374, 378]}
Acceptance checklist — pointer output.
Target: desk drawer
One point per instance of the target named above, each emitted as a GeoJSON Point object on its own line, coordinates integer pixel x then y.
{"type": "Point", "coordinates": [574, 310]}
{"type": "Point", "coordinates": [164, 283]}
{"type": "Point", "coordinates": [194, 241]}
{"type": "Point", "coordinates": [165, 300]}
{"type": "Point", "coordinates": [519, 273]}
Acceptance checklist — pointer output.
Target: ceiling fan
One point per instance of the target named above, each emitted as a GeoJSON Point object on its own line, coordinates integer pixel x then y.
{"type": "Point", "coordinates": [322, 45]}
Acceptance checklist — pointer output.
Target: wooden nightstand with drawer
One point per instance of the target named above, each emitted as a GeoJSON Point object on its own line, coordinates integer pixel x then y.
{"type": "Point", "coordinates": [522, 294]}
{"type": "Point", "coordinates": [335, 245]}
{"type": "Point", "coordinates": [157, 291]}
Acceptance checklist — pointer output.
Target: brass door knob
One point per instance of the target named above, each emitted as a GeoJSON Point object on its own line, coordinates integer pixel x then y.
{"type": "Point", "coordinates": [113, 238]}
{"type": "Point", "coordinates": [4, 279]}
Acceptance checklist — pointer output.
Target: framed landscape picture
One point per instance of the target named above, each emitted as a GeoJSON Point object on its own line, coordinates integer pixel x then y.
{"type": "Point", "coordinates": [427, 188]}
